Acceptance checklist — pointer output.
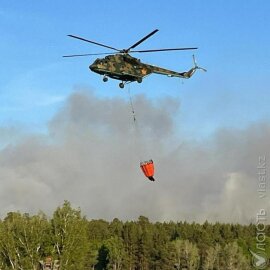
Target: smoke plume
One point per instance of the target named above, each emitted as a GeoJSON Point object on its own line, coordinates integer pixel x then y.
{"type": "Point", "coordinates": [91, 157]}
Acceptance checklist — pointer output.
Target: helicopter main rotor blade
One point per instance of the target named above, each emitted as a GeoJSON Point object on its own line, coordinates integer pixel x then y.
{"type": "Point", "coordinates": [142, 40]}
{"type": "Point", "coordinates": [90, 41]}
{"type": "Point", "coordinates": [163, 50]}
{"type": "Point", "coordinates": [86, 54]}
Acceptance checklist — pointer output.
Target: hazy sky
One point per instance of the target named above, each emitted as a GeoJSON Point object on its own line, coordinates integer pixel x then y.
{"type": "Point", "coordinates": [64, 134]}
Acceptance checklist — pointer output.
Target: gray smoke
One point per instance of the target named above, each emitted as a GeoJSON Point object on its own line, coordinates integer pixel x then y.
{"type": "Point", "coordinates": [91, 157]}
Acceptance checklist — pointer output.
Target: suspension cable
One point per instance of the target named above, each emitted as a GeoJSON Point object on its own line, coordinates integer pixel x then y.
{"type": "Point", "coordinates": [137, 135]}
{"type": "Point", "coordinates": [132, 107]}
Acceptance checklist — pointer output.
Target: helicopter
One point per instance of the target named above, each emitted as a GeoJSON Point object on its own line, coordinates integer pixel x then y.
{"type": "Point", "coordinates": [126, 68]}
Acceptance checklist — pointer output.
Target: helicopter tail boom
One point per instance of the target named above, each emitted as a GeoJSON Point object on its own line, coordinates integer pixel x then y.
{"type": "Point", "coordinates": [170, 73]}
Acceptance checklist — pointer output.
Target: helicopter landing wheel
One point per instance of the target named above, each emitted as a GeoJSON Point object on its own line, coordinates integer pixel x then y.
{"type": "Point", "coordinates": [121, 85]}
{"type": "Point", "coordinates": [105, 79]}
{"type": "Point", "coordinates": [139, 80]}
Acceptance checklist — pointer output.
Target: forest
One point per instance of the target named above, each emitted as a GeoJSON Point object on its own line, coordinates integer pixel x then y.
{"type": "Point", "coordinates": [74, 242]}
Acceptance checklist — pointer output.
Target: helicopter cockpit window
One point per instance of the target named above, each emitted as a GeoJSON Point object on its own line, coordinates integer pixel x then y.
{"type": "Point", "coordinates": [97, 61]}
{"type": "Point", "coordinates": [100, 61]}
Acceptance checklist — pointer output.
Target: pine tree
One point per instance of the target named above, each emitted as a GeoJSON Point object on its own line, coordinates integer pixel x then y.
{"type": "Point", "coordinates": [130, 238]}
{"type": "Point", "coordinates": [98, 230]}
{"type": "Point", "coordinates": [144, 244]}
{"type": "Point", "coordinates": [161, 255]}
{"type": "Point", "coordinates": [116, 227]}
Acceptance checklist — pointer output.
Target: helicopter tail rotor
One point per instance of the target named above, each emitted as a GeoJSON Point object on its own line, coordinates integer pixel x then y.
{"type": "Point", "coordinates": [188, 74]}
{"type": "Point", "coordinates": [196, 66]}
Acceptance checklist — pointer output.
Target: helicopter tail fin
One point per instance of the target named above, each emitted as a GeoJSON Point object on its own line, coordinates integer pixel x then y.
{"type": "Point", "coordinates": [189, 73]}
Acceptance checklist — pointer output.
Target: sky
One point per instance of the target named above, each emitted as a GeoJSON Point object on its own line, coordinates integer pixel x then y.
{"type": "Point", "coordinates": [67, 135]}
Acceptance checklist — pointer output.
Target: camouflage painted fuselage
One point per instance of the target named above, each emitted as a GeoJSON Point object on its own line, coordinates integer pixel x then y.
{"type": "Point", "coordinates": [128, 69]}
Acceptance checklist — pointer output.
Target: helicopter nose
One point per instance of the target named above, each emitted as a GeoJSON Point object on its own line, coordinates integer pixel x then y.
{"type": "Point", "coordinates": [93, 67]}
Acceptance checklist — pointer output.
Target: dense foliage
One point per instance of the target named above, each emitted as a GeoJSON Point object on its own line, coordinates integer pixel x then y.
{"type": "Point", "coordinates": [80, 244]}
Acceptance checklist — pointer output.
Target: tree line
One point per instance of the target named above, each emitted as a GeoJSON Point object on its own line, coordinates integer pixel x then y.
{"type": "Point", "coordinates": [79, 244]}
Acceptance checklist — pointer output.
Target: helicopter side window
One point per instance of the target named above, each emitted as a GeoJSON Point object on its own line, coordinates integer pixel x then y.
{"type": "Point", "coordinates": [106, 59]}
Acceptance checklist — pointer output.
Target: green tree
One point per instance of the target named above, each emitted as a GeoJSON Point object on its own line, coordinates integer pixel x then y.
{"type": "Point", "coordinates": [161, 253]}
{"type": "Point", "coordinates": [92, 257]}
{"type": "Point", "coordinates": [186, 255]}
{"type": "Point", "coordinates": [10, 253]}
{"type": "Point", "coordinates": [115, 253]}
{"type": "Point", "coordinates": [70, 240]}
{"type": "Point", "coordinates": [211, 259]}
{"type": "Point", "coordinates": [130, 238]}
{"type": "Point", "coordinates": [145, 243]}
{"type": "Point", "coordinates": [32, 236]}
{"type": "Point", "coordinates": [232, 258]}
{"type": "Point", "coordinates": [98, 230]}
{"type": "Point", "coordinates": [102, 258]}
{"type": "Point", "coordinates": [23, 239]}
{"type": "Point", "coordinates": [116, 227]}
